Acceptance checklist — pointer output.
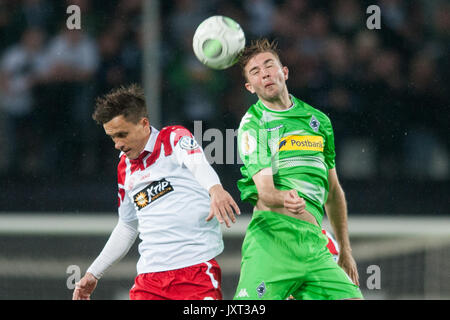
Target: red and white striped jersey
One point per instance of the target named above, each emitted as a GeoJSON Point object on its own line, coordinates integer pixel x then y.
{"type": "Point", "coordinates": [169, 203]}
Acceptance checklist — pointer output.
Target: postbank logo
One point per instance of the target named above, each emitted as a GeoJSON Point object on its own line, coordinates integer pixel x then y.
{"type": "Point", "coordinates": [306, 143]}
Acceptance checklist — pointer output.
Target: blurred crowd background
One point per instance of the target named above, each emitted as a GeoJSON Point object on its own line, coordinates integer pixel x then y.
{"type": "Point", "coordinates": [386, 92]}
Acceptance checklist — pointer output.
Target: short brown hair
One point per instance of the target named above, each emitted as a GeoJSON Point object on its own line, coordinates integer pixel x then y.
{"type": "Point", "coordinates": [256, 47]}
{"type": "Point", "coordinates": [126, 101]}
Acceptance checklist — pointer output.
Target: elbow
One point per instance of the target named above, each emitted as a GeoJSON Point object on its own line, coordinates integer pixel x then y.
{"type": "Point", "coordinates": [335, 192]}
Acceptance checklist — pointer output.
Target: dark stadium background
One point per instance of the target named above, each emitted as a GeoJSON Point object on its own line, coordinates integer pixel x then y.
{"type": "Point", "coordinates": [386, 92]}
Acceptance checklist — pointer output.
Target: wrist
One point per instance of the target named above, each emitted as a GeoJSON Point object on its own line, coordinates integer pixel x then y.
{"type": "Point", "coordinates": [345, 250]}
{"type": "Point", "coordinates": [215, 188]}
{"type": "Point", "coordinates": [91, 276]}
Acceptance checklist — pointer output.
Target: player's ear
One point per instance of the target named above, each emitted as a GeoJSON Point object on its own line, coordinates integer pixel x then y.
{"type": "Point", "coordinates": [145, 122]}
{"type": "Point", "coordinates": [249, 87]}
{"type": "Point", "coordinates": [285, 72]}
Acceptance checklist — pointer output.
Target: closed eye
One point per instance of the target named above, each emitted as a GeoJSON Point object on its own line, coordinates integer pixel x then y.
{"type": "Point", "coordinates": [119, 135]}
{"type": "Point", "coordinates": [122, 135]}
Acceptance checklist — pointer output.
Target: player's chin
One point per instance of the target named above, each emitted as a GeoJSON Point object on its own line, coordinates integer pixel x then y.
{"type": "Point", "coordinates": [131, 155]}
{"type": "Point", "coordinates": [270, 93]}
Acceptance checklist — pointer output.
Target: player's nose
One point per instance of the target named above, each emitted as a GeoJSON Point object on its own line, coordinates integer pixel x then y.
{"type": "Point", "coordinates": [118, 145]}
{"type": "Point", "coordinates": [265, 74]}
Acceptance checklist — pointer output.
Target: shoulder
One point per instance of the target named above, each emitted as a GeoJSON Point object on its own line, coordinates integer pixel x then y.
{"type": "Point", "coordinates": [251, 118]}
{"type": "Point", "coordinates": [174, 134]}
{"type": "Point", "coordinates": [175, 128]}
{"type": "Point", "coordinates": [316, 112]}
{"type": "Point", "coordinates": [173, 137]}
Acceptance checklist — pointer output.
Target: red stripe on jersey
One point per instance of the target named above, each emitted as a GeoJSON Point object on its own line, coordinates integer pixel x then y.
{"type": "Point", "coordinates": [139, 162]}
{"type": "Point", "coordinates": [194, 151]}
{"type": "Point", "coordinates": [180, 132]}
{"type": "Point", "coordinates": [156, 150]}
{"type": "Point", "coordinates": [121, 196]}
{"type": "Point", "coordinates": [164, 139]}
{"type": "Point", "coordinates": [121, 168]}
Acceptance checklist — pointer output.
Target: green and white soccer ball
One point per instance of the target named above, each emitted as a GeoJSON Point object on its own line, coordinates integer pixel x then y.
{"type": "Point", "coordinates": [218, 41]}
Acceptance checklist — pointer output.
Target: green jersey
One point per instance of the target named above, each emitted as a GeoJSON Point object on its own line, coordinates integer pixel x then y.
{"type": "Point", "coordinates": [297, 143]}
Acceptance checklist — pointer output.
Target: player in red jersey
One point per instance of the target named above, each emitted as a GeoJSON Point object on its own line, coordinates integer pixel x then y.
{"type": "Point", "coordinates": [168, 195]}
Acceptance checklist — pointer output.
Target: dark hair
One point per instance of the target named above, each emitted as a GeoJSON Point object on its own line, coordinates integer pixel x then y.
{"type": "Point", "coordinates": [256, 47]}
{"type": "Point", "coordinates": [126, 101]}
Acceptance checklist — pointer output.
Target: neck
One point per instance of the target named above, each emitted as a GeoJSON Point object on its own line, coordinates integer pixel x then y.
{"type": "Point", "coordinates": [280, 102]}
{"type": "Point", "coordinates": [146, 140]}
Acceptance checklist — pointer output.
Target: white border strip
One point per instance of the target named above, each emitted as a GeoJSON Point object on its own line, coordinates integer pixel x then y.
{"type": "Point", "coordinates": [103, 224]}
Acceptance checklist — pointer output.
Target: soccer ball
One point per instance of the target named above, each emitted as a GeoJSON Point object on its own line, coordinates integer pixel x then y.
{"type": "Point", "coordinates": [217, 42]}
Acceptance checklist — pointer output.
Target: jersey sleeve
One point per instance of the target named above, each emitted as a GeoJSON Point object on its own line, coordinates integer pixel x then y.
{"type": "Point", "coordinates": [253, 145]}
{"type": "Point", "coordinates": [190, 154]}
{"type": "Point", "coordinates": [184, 145]}
{"type": "Point", "coordinates": [329, 149]}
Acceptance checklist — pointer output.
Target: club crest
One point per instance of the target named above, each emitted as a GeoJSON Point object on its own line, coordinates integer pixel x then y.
{"type": "Point", "coordinates": [314, 124]}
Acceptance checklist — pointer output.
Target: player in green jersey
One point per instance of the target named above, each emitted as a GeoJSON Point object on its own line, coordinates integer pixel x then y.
{"type": "Point", "coordinates": [289, 175]}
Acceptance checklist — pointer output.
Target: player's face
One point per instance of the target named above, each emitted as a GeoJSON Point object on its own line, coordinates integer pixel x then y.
{"type": "Point", "coordinates": [128, 137]}
{"type": "Point", "coordinates": [266, 76]}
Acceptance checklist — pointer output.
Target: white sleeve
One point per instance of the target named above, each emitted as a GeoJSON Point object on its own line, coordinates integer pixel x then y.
{"type": "Point", "coordinates": [117, 246]}
{"type": "Point", "coordinates": [202, 170]}
{"type": "Point", "coordinates": [189, 153]}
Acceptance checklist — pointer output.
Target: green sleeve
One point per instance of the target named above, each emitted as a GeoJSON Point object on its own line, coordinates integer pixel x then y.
{"type": "Point", "coordinates": [253, 145]}
{"type": "Point", "coordinates": [329, 151]}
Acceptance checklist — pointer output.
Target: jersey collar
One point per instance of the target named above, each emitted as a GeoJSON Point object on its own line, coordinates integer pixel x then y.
{"type": "Point", "coordinates": [151, 140]}
{"type": "Point", "coordinates": [288, 109]}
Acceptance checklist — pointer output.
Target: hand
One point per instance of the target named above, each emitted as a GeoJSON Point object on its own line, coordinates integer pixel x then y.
{"type": "Point", "coordinates": [222, 205]}
{"type": "Point", "coordinates": [348, 264]}
{"type": "Point", "coordinates": [85, 287]}
{"type": "Point", "coordinates": [294, 203]}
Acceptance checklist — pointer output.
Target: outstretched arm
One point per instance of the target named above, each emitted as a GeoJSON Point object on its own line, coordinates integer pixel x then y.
{"type": "Point", "coordinates": [336, 209]}
{"type": "Point", "coordinates": [222, 204]}
{"type": "Point", "coordinates": [117, 246]}
{"type": "Point", "coordinates": [190, 154]}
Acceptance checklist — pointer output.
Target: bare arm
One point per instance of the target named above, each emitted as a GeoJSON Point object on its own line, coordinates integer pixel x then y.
{"type": "Point", "coordinates": [336, 209]}
{"type": "Point", "coordinates": [274, 198]}
{"type": "Point", "coordinates": [222, 205]}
